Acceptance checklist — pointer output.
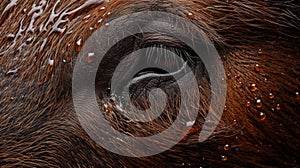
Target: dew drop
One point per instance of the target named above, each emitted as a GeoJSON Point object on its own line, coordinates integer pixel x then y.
{"type": "Point", "coordinates": [225, 108]}
{"type": "Point", "coordinates": [237, 77]}
{"type": "Point", "coordinates": [253, 87]}
{"type": "Point", "coordinates": [229, 76]}
{"type": "Point", "coordinates": [91, 29]}
{"type": "Point", "coordinates": [258, 103]}
{"type": "Point", "coordinates": [297, 96]}
{"type": "Point", "coordinates": [257, 68]}
{"type": "Point", "coordinates": [50, 62]}
{"type": "Point", "coordinates": [190, 123]}
{"type": "Point", "coordinates": [248, 104]}
{"type": "Point", "coordinates": [191, 15]}
{"type": "Point", "coordinates": [260, 52]}
{"type": "Point", "coordinates": [224, 158]}
{"type": "Point", "coordinates": [278, 107]}
{"type": "Point", "coordinates": [91, 57]}
{"type": "Point", "coordinates": [262, 116]}
{"type": "Point", "coordinates": [78, 45]}
{"type": "Point", "coordinates": [106, 24]}
{"type": "Point", "coordinates": [226, 147]}
{"type": "Point", "coordinates": [271, 96]}
{"type": "Point", "coordinates": [265, 80]}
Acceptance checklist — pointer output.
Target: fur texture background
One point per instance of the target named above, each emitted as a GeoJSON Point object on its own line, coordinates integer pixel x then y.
{"type": "Point", "coordinates": [38, 126]}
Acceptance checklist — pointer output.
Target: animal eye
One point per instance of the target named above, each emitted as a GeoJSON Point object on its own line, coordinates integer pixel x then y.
{"type": "Point", "coordinates": [146, 62]}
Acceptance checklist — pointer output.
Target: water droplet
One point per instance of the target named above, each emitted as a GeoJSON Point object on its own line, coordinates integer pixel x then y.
{"type": "Point", "coordinates": [225, 108]}
{"type": "Point", "coordinates": [190, 123]}
{"type": "Point", "coordinates": [258, 103]}
{"type": "Point", "coordinates": [224, 158]}
{"type": "Point", "coordinates": [237, 77]}
{"type": "Point", "coordinates": [278, 107]}
{"type": "Point", "coordinates": [253, 87]}
{"type": "Point", "coordinates": [102, 8]}
{"type": "Point", "coordinates": [91, 29]}
{"type": "Point", "coordinates": [91, 57]}
{"type": "Point", "coordinates": [191, 15]}
{"type": "Point", "coordinates": [265, 80]}
{"type": "Point", "coordinates": [248, 104]}
{"type": "Point", "coordinates": [106, 24]}
{"type": "Point", "coordinates": [228, 75]}
{"type": "Point", "coordinates": [260, 52]}
{"type": "Point", "coordinates": [262, 116]}
{"type": "Point", "coordinates": [271, 96]}
{"type": "Point", "coordinates": [78, 45]}
{"type": "Point", "coordinates": [226, 147]}
{"type": "Point", "coordinates": [51, 62]}
{"type": "Point", "coordinates": [257, 68]}
{"type": "Point", "coordinates": [297, 96]}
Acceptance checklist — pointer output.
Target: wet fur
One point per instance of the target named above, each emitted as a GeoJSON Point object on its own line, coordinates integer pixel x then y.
{"type": "Point", "coordinates": [38, 124]}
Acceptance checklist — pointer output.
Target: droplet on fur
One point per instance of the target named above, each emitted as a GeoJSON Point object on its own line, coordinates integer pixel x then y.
{"type": "Point", "coordinates": [50, 62]}
{"type": "Point", "coordinates": [260, 52]}
{"type": "Point", "coordinates": [248, 104]}
{"type": "Point", "coordinates": [78, 45]}
{"type": "Point", "coordinates": [265, 80]}
{"type": "Point", "coordinates": [226, 147]}
{"type": "Point", "coordinates": [225, 108]}
{"type": "Point", "coordinates": [253, 87]}
{"type": "Point", "coordinates": [258, 103]}
{"type": "Point", "coordinates": [190, 123]}
{"type": "Point", "coordinates": [91, 57]}
{"type": "Point", "coordinates": [278, 107]}
{"type": "Point", "coordinates": [262, 116]}
{"type": "Point", "coordinates": [297, 96]}
{"type": "Point", "coordinates": [237, 76]}
{"type": "Point", "coordinates": [271, 96]}
{"type": "Point", "coordinates": [224, 158]}
{"type": "Point", "coordinates": [91, 29]}
{"type": "Point", "coordinates": [257, 68]}
{"type": "Point", "coordinates": [191, 15]}
{"type": "Point", "coordinates": [228, 75]}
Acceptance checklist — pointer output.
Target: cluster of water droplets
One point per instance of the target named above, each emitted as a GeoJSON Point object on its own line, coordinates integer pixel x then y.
{"type": "Point", "coordinates": [56, 21]}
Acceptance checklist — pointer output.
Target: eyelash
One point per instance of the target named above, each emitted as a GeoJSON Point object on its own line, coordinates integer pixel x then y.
{"type": "Point", "coordinates": [187, 56]}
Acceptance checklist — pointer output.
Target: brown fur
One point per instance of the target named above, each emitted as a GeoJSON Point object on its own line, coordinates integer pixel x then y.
{"type": "Point", "coordinates": [38, 126]}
